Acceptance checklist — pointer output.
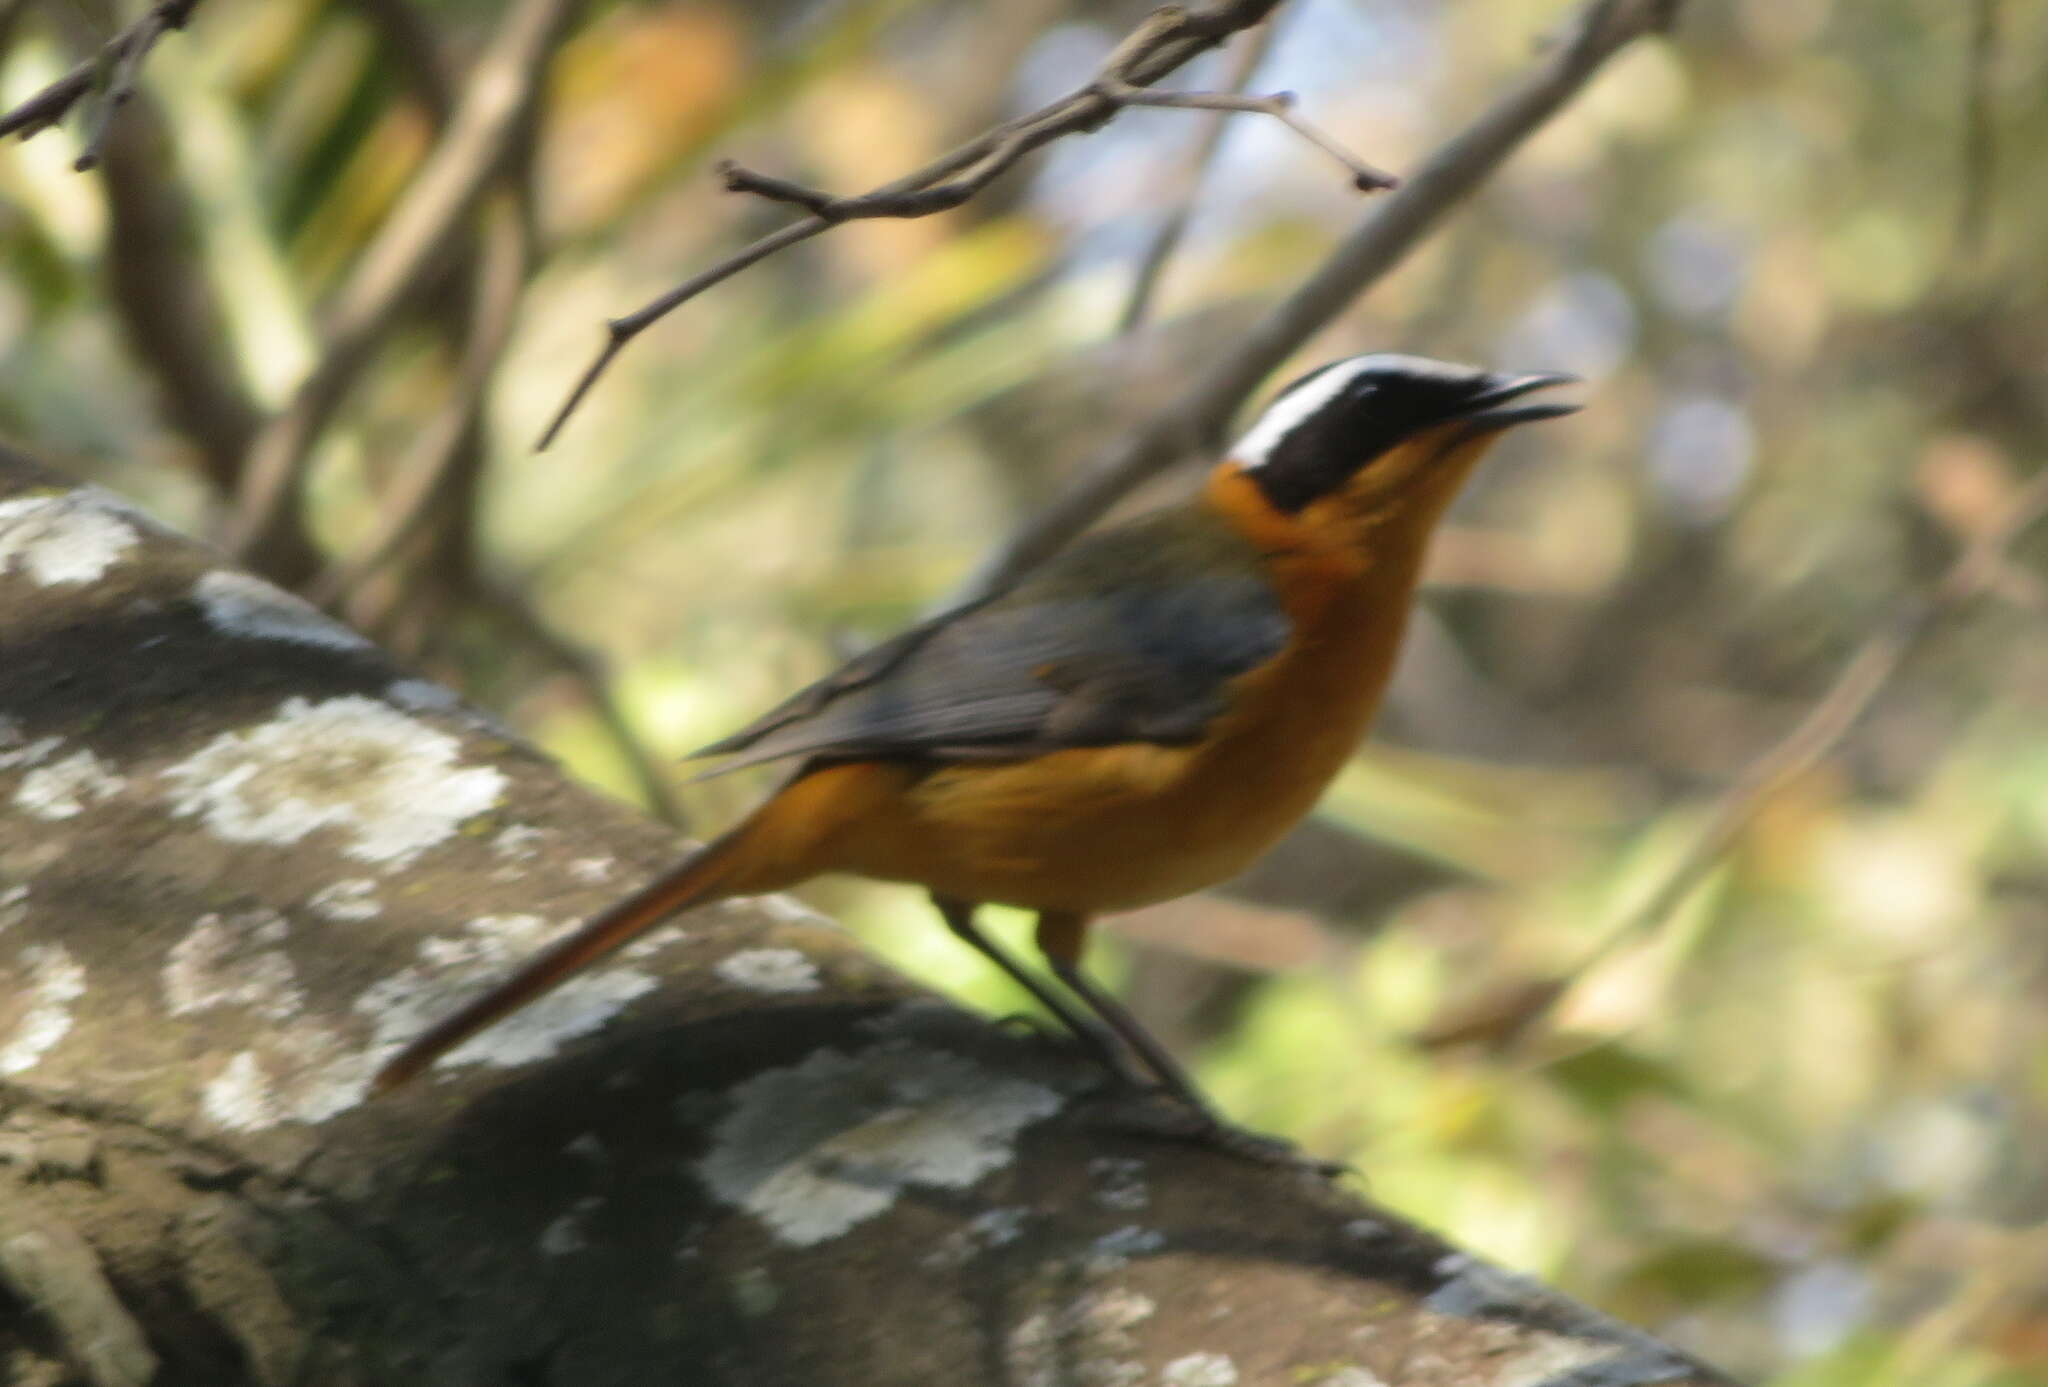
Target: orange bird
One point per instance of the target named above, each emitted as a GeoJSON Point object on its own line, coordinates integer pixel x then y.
{"type": "Point", "coordinates": [1139, 718]}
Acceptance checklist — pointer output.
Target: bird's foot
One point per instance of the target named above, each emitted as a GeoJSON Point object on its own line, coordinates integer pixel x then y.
{"type": "Point", "coordinates": [1156, 1112]}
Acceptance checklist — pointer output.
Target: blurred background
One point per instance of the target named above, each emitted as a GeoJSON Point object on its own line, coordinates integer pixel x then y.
{"type": "Point", "coordinates": [1799, 1123]}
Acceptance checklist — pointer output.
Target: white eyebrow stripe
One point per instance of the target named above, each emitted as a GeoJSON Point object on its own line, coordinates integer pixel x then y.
{"type": "Point", "coordinates": [1285, 414]}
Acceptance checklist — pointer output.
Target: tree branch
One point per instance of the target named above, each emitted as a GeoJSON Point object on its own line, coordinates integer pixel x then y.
{"type": "Point", "coordinates": [1861, 680]}
{"type": "Point", "coordinates": [118, 63]}
{"type": "Point", "coordinates": [410, 245]}
{"type": "Point", "coordinates": [247, 857]}
{"type": "Point", "coordinates": [421, 476]}
{"type": "Point", "coordinates": [1195, 421]}
{"type": "Point", "coordinates": [1166, 39]}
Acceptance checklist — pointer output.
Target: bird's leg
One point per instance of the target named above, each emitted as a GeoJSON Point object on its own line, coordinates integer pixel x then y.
{"type": "Point", "coordinates": [959, 918]}
{"type": "Point", "coordinates": [1060, 937]}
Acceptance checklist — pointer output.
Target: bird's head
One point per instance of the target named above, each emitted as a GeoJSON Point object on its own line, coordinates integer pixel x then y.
{"type": "Point", "coordinates": [1383, 433]}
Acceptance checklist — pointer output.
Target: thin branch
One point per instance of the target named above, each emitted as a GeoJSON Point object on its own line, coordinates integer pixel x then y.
{"type": "Point", "coordinates": [1159, 251]}
{"type": "Point", "coordinates": [1166, 39]}
{"type": "Point", "coordinates": [1862, 679]}
{"type": "Point", "coordinates": [162, 294]}
{"type": "Point", "coordinates": [1279, 105]}
{"type": "Point", "coordinates": [1195, 421]}
{"type": "Point", "coordinates": [425, 471]}
{"type": "Point", "coordinates": [119, 63]}
{"type": "Point", "coordinates": [412, 243]}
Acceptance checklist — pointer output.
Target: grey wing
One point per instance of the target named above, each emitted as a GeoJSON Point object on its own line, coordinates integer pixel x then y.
{"type": "Point", "coordinates": [1051, 665]}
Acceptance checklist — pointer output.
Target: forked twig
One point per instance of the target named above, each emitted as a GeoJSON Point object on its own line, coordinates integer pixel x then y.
{"type": "Point", "coordinates": [1165, 40]}
{"type": "Point", "coordinates": [118, 64]}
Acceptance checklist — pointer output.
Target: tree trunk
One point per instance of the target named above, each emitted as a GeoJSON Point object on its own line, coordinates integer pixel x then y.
{"type": "Point", "coordinates": [242, 856]}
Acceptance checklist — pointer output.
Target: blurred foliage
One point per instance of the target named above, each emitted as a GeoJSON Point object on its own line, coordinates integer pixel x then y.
{"type": "Point", "coordinates": [1800, 254]}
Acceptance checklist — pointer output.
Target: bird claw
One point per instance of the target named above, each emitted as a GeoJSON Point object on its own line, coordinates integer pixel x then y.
{"type": "Point", "coordinates": [1164, 1115]}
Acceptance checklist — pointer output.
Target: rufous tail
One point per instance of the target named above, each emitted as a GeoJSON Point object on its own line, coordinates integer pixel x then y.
{"type": "Point", "coordinates": [712, 873]}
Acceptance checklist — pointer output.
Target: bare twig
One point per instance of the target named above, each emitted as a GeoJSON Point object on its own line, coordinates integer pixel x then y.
{"type": "Point", "coordinates": [1165, 40]}
{"type": "Point", "coordinates": [119, 61]}
{"type": "Point", "coordinates": [1280, 105]}
{"type": "Point", "coordinates": [1195, 421]}
{"type": "Point", "coordinates": [408, 248]}
{"type": "Point", "coordinates": [1166, 238]}
{"type": "Point", "coordinates": [1862, 679]}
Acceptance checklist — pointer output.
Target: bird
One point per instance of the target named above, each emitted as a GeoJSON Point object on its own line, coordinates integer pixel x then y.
{"type": "Point", "coordinates": [1136, 719]}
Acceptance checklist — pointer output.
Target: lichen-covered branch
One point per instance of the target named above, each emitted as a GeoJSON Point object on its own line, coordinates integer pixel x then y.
{"type": "Point", "coordinates": [243, 857]}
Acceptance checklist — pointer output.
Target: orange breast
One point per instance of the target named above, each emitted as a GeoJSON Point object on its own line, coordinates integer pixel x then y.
{"type": "Point", "coordinates": [1110, 828]}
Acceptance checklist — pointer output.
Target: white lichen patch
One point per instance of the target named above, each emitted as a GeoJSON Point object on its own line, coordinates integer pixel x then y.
{"type": "Point", "coordinates": [517, 842]}
{"type": "Point", "coordinates": [65, 789]}
{"type": "Point", "coordinates": [1349, 1377]}
{"type": "Point", "coordinates": [301, 1074]}
{"type": "Point", "coordinates": [244, 606]}
{"type": "Point", "coordinates": [1200, 1370]}
{"type": "Point", "coordinates": [818, 1147]}
{"type": "Point", "coordinates": [1119, 1183]}
{"type": "Point", "coordinates": [421, 695]}
{"type": "Point", "coordinates": [769, 970]}
{"type": "Point", "coordinates": [1092, 1333]}
{"type": "Point", "coordinates": [1545, 1360]}
{"type": "Point", "coordinates": [17, 750]}
{"type": "Point", "coordinates": [570, 1232]}
{"type": "Point", "coordinates": [349, 901]}
{"type": "Point", "coordinates": [233, 960]}
{"type": "Point", "coordinates": [452, 969]}
{"type": "Point", "coordinates": [593, 869]}
{"type": "Point", "coordinates": [64, 539]}
{"type": "Point", "coordinates": [1471, 1287]}
{"type": "Point", "coordinates": [991, 1228]}
{"type": "Point", "coordinates": [1114, 1250]}
{"type": "Point", "coordinates": [13, 905]}
{"type": "Point", "coordinates": [47, 980]}
{"type": "Point", "coordinates": [653, 942]}
{"type": "Point", "coordinates": [391, 784]}
{"type": "Point", "coordinates": [789, 910]}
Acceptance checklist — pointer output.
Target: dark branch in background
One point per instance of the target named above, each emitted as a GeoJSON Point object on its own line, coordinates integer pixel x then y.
{"type": "Point", "coordinates": [1862, 679]}
{"type": "Point", "coordinates": [1980, 138]}
{"type": "Point", "coordinates": [410, 41]}
{"type": "Point", "coordinates": [1188, 186]}
{"type": "Point", "coordinates": [420, 477]}
{"type": "Point", "coordinates": [117, 67]}
{"type": "Point", "coordinates": [1195, 421]}
{"type": "Point", "coordinates": [1167, 38]}
{"type": "Point", "coordinates": [412, 244]}
{"type": "Point", "coordinates": [164, 297]}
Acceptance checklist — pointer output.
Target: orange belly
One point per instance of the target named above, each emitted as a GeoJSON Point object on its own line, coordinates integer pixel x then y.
{"type": "Point", "coordinates": [1111, 828]}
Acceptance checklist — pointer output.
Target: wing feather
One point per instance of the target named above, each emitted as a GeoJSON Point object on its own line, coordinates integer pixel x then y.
{"type": "Point", "coordinates": [1132, 635]}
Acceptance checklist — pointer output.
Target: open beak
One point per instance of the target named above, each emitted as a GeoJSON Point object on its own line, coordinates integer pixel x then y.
{"type": "Point", "coordinates": [1484, 417]}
